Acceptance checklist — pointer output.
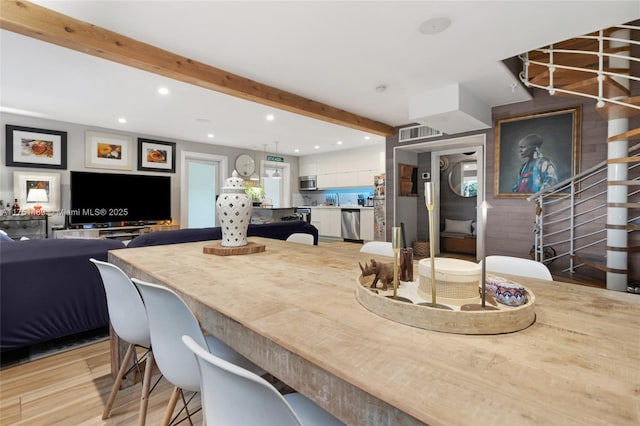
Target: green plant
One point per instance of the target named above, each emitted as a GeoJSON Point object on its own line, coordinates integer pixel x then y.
{"type": "Point", "coordinates": [256, 192]}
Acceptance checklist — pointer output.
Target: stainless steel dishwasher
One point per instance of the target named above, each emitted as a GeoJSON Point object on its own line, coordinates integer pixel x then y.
{"type": "Point", "coordinates": [351, 224]}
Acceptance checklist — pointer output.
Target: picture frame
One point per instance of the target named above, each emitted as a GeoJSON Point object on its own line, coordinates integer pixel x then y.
{"type": "Point", "coordinates": [108, 151]}
{"type": "Point", "coordinates": [37, 148]}
{"type": "Point", "coordinates": [47, 200]}
{"type": "Point", "coordinates": [556, 149]}
{"type": "Point", "coordinates": [156, 156]}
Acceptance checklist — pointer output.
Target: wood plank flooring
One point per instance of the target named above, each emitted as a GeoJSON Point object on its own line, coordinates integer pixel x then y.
{"type": "Point", "coordinates": [71, 388]}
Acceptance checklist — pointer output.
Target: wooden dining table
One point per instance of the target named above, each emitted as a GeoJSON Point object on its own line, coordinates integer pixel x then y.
{"type": "Point", "coordinates": [292, 310]}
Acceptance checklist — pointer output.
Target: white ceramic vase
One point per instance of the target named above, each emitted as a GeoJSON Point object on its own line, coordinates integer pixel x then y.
{"type": "Point", "coordinates": [234, 211]}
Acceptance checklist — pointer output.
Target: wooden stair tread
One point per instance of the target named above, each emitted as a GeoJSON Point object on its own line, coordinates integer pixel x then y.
{"type": "Point", "coordinates": [577, 58]}
{"type": "Point", "coordinates": [625, 205]}
{"type": "Point", "coordinates": [628, 227]}
{"type": "Point", "coordinates": [623, 160]}
{"type": "Point", "coordinates": [597, 264]}
{"type": "Point", "coordinates": [624, 182]}
{"type": "Point", "coordinates": [611, 88]}
{"type": "Point", "coordinates": [611, 111]}
{"type": "Point", "coordinates": [563, 76]}
{"type": "Point", "coordinates": [630, 249]}
{"type": "Point", "coordinates": [567, 59]}
{"type": "Point", "coordinates": [630, 135]}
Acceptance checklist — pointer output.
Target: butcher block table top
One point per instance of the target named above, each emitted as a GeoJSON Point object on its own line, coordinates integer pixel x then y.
{"type": "Point", "coordinates": [291, 309]}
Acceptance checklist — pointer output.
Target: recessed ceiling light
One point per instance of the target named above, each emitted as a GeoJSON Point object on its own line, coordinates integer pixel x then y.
{"type": "Point", "coordinates": [435, 25]}
{"type": "Point", "coordinates": [317, 147]}
{"type": "Point", "coordinates": [163, 90]}
{"type": "Point", "coordinates": [270, 117]}
{"type": "Point", "coordinates": [339, 142]}
{"type": "Point", "coordinates": [296, 150]}
{"type": "Point", "coordinates": [122, 120]}
{"type": "Point", "coordinates": [210, 135]}
{"type": "Point", "coordinates": [366, 138]}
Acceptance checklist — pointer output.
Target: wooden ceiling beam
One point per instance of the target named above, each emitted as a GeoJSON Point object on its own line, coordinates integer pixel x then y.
{"type": "Point", "coordinates": [35, 21]}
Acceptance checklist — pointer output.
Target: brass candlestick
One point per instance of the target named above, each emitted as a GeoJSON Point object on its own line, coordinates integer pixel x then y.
{"type": "Point", "coordinates": [429, 201]}
{"type": "Point", "coordinates": [395, 243]}
{"type": "Point", "coordinates": [483, 207]}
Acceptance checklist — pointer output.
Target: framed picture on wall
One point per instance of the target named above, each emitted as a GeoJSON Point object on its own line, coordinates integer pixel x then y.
{"type": "Point", "coordinates": [156, 156]}
{"type": "Point", "coordinates": [108, 151]}
{"type": "Point", "coordinates": [37, 191]}
{"type": "Point", "coordinates": [31, 147]}
{"type": "Point", "coordinates": [536, 151]}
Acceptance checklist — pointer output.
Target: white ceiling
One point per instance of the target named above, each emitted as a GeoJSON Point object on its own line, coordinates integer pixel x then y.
{"type": "Point", "coordinates": [335, 52]}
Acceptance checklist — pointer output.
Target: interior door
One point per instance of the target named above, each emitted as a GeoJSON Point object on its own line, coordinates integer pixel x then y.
{"type": "Point", "coordinates": [202, 177]}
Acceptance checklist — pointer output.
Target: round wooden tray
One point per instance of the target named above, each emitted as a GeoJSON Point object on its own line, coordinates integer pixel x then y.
{"type": "Point", "coordinates": [504, 319]}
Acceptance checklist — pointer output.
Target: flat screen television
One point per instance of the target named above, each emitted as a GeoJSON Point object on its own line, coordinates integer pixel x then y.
{"type": "Point", "coordinates": [112, 199]}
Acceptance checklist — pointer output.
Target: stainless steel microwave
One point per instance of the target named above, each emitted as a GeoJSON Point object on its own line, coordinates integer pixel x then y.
{"type": "Point", "coordinates": [308, 183]}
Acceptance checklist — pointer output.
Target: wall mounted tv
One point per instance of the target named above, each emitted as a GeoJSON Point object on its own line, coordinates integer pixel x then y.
{"type": "Point", "coordinates": [113, 198]}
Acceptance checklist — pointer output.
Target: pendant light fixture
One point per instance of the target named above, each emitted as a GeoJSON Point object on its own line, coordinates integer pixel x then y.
{"type": "Point", "coordinates": [254, 176]}
{"type": "Point", "coordinates": [276, 174]}
{"type": "Point", "coordinates": [264, 171]}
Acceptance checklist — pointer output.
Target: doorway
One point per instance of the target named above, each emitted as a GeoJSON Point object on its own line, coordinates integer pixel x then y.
{"type": "Point", "coordinates": [276, 190]}
{"type": "Point", "coordinates": [438, 150]}
{"type": "Point", "coordinates": [202, 176]}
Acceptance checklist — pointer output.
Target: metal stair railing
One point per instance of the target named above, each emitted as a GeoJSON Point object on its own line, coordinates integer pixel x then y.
{"type": "Point", "coordinates": [571, 216]}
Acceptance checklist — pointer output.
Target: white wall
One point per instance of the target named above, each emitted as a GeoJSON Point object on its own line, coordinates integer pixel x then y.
{"type": "Point", "coordinates": [76, 159]}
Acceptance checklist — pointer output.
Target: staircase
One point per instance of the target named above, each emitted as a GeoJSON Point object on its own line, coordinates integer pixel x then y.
{"type": "Point", "coordinates": [590, 221]}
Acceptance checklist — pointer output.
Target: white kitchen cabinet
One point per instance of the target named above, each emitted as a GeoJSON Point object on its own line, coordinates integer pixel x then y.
{"type": "Point", "coordinates": [308, 166]}
{"type": "Point", "coordinates": [327, 220]}
{"type": "Point", "coordinates": [344, 169]}
{"type": "Point", "coordinates": [366, 224]}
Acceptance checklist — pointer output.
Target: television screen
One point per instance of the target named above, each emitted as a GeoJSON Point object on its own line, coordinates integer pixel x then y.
{"type": "Point", "coordinates": [110, 198]}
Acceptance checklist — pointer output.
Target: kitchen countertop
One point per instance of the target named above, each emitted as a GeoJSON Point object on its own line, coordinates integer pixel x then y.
{"type": "Point", "coordinates": [273, 208]}
{"type": "Point", "coordinates": [334, 207]}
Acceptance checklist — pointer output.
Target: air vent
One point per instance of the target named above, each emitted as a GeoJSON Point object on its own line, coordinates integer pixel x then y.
{"type": "Point", "coordinates": [418, 132]}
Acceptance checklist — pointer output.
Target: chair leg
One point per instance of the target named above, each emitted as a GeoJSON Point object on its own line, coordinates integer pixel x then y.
{"type": "Point", "coordinates": [172, 406]}
{"type": "Point", "coordinates": [146, 384]}
{"type": "Point", "coordinates": [116, 384]}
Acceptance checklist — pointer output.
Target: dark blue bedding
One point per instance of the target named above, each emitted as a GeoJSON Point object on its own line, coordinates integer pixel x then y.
{"type": "Point", "coordinates": [49, 289]}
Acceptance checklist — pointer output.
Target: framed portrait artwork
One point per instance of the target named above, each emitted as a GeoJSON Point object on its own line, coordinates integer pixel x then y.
{"type": "Point", "coordinates": [536, 151]}
{"type": "Point", "coordinates": [108, 151]}
{"type": "Point", "coordinates": [156, 156]}
{"type": "Point", "coordinates": [37, 191]}
{"type": "Point", "coordinates": [30, 147]}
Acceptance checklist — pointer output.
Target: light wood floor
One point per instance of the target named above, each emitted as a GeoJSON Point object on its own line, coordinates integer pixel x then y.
{"type": "Point", "coordinates": [71, 388]}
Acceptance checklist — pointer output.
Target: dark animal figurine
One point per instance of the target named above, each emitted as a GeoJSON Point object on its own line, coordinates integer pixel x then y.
{"type": "Point", "coordinates": [383, 272]}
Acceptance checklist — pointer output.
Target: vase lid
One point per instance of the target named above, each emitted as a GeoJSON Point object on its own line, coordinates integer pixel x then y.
{"type": "Point", "coordinates": [234, 182]}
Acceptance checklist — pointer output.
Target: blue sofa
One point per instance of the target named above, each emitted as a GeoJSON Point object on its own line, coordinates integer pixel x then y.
{"type": "Point", "coordinates": [277, 230]}
{"type": "Point", "coordinates": [50, 290]}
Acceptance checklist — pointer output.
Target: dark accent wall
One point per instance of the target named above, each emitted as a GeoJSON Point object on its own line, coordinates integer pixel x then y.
{"type": "Point", "coordinates": [511, 220]}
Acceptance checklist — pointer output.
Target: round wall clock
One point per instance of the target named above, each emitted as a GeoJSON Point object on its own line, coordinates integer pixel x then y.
{"type": "Point", "coordinates": [245, 165]}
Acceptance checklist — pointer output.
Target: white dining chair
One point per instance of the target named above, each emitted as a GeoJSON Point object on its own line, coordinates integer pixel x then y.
{"type": "Point", "coordinates": [169, 319]}
{"type": "Point", "coordinates": [517, 266]}
{"type": "Point", "coordinates": [301, 238]}
{"type": "Point", "coordinates": [232, 395]}
{"type": "Point", "coordinates": [381, 248]}
{"type": "Point", "coordinates": [128, 318]}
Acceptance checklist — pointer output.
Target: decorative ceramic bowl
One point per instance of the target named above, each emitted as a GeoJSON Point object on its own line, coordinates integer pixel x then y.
{"type": "Point", "coordinates": [506, 291]}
